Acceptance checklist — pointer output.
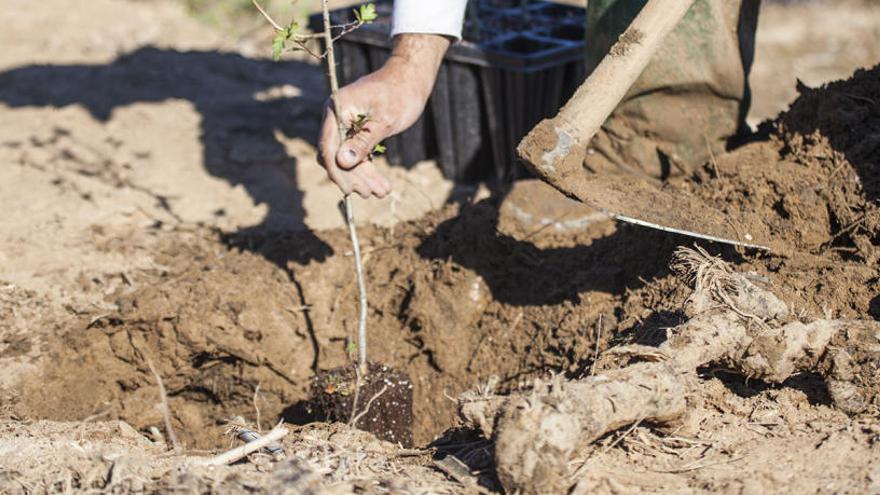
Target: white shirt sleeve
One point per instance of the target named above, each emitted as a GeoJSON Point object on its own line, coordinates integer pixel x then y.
{"type": "Point", "coordinates": [428, 17]}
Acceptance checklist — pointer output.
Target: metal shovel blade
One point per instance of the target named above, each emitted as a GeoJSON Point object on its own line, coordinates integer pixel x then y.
{"type": "Point", "coordinates": [637, 201]}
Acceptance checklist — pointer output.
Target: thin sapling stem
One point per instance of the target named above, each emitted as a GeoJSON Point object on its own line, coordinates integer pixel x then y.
{"type": "Point", "coordinates": [349, 209]}
{"type": "Point", "coordinates": [290, 34]}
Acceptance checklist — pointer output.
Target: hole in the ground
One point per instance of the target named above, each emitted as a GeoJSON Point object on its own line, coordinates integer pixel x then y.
{"type": "Point", "coordinates": [452, 307]}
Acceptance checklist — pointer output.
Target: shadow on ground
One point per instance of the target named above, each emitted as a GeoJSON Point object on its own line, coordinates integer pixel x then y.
{"type": "Point", "coordinates": [521, 274]}
{"type": "Point", "coordinates": [239, 101]}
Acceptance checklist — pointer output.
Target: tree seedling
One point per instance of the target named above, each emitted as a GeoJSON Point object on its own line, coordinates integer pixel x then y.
{"type": "Point", "coordinates": [387, 394]}
{"type": "Point", "coordinates": [291, 38]}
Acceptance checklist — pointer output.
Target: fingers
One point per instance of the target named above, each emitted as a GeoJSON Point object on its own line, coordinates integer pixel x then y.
{"type": "Point", "coordinates": [356, 149]}
{"type": "Point", "coordinates": [378, 185]}
{"type": "Point", "coordinates": [365, 181]}
{"type": "Point", "coordinates": [361, 177]}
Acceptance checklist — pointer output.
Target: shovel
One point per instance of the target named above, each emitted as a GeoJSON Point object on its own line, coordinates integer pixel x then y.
{"type": "Point", "coordinates": [556, 147]}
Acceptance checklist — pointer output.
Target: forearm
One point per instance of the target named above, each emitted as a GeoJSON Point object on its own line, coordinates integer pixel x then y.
{"type": "Point", "coordinates": [415, 58]}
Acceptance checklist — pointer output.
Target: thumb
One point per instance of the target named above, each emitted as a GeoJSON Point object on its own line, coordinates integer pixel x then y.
{"type": "Point", "coordinates": [358, 147]}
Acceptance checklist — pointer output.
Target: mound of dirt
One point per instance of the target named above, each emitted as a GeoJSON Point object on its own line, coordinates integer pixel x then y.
{"type": "Point", "coordinates": [219, 322]}
{"type": "Point", "coordinates": [816, 181]}
{"type": "Point", "coordinates": [215, 324]}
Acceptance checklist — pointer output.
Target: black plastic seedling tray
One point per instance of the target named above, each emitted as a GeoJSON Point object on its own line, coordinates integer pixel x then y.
{"type": "Point", "coordinates": [517, 64]}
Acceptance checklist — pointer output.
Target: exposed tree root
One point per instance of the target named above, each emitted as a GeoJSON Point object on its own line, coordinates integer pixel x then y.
{"type": "Point", "coordinates": [536, 435]}
{"type": "Point", "coordinates": [734, 322]}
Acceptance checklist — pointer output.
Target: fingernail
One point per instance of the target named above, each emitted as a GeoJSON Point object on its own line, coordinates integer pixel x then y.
{"type": "Point", "coordinates": [349, 156]}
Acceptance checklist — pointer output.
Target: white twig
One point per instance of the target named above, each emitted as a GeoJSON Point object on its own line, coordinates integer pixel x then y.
{"type": "Point", "coordinates": [157, 435]}
{"type": "Point", "coordinates": [237, 453]}
{"type": "Point", "coordinates": [166, 411]}
{"type": "Point", "coordinates": [362, 287]}
{"type": "Point", "coordinates": [257, 406]}
{"type": "Point", "coordinates": [267, 16]}
{"type": "Point", "coordinates": [369, 403]}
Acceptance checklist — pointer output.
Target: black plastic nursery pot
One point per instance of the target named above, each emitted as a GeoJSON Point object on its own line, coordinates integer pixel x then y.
{"type": "Point", "coordinates": [518, 62]}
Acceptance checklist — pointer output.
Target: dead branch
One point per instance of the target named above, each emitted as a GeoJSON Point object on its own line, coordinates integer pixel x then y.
{"type": "Point", "coordinates": [238, 428]}
{"type": "Point", "coordinates": [717, 285]}
{"type": "Point", "coordinates": [537, 434]}
{"type": "Point", "coordinates": [240, 452]}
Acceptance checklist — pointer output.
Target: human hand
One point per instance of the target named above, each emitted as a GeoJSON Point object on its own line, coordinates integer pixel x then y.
{"type": "Point", "coordinates": [375, 107]}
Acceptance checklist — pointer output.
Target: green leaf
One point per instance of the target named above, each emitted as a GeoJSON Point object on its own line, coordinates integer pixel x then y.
{"type": "Point", "coordinates": [278, 44]}
{"type": "Point", "coordinates": [366, 14]}
{"type": "Point", "coordinates": [379, 149]}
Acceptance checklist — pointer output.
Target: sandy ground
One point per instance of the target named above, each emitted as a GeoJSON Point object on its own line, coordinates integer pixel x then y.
{"type": "Point", "coordinates": [170, 143]}
{"type": "Point", "coordinates": [144, 157]}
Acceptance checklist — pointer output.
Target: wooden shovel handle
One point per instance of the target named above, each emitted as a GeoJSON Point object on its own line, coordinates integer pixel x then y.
{"type": "Point", "coordinates": [555, 148]}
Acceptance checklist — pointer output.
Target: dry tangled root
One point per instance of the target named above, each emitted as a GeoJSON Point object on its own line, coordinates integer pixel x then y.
{"type": "Point", "coordinates": [734, 322]}
{"type": "Point", "coordinates": [717, 285]}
